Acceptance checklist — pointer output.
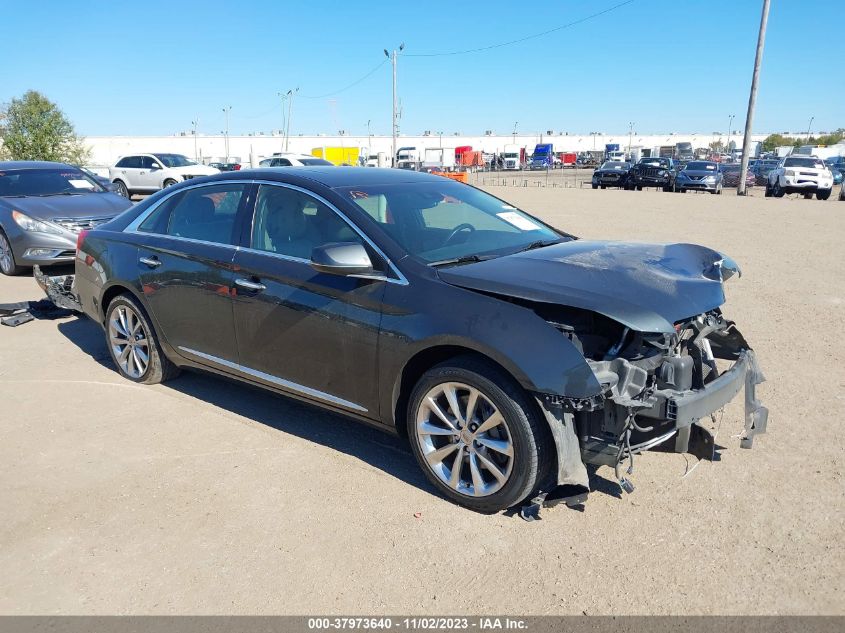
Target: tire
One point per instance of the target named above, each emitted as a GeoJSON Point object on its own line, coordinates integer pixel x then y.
{"type": "Point", "coordinates": [122, 189]}
{"type": "Point", "coordinates": [595, 186]}
{"type": "Point", "coordinates": [522, 431]}
{"type": "Point", "coordinates": [809, 196]}
{"type": "Point", "coordinates": [777, 192]}
{"type": "Point", "coordinates": [125, 315]}
{"type": "Point", "coordinates": [169, 183]}
{"type": "Point", "coordinates": [668, 188]}
{"type": "Point", "coordinates": [603, 187]}
{"type": "Point", "coordinates": [681, 190]}
{"type": "Point", "coordinates": [639, 188]}
{"type": "Point", "coordinates": [768, 193]}
{"type": "Point", "coordinates": [842, 194]}
{"type": "Point", "coordinates": [823, 195]}
{"type": "Point", "coordinates": [8, 266]}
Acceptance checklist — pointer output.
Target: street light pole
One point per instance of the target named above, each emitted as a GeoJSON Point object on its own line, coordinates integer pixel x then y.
{"type": "Point", "coordinates": [809, 125]}
{"type": "Point", "coordinates": [226, 110]}
{"type": "Point", "coordinates": [195, 123]}
{"type": "Point", "coordinates": [730, 130]}
{"type": "Point", "coordinates": [630, 136]}
{"type": "Point", "coordinates": [752, 99]}
{"type": "Point", "coordinates": [395, 108]}
{"type": "Point", "coordinates": [290, 94]}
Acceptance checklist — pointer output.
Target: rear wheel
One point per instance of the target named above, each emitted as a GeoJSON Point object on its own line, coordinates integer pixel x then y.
{"type": "Point", "coordinates": [823, 194]}
{"type": "Point", "coordinates": [477, 436]}
{"type": "Point", "coordinates": [133, 344]}
{"type": "Point", "coordinates": [7, 257]}
{"type": "Point", "coordinates": [808, 196]}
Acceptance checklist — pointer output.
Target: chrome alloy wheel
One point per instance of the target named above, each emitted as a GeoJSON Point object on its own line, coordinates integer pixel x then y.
{"type": "Point", "coordinates": [6, 264]}
{"type": "Point", "coordinates": [129, 341]}
{"type": "Point", "coordinates": [464, 439]}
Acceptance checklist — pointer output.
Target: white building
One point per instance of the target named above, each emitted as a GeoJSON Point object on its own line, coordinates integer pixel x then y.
{"type": "Point", "coordinates": [107, 149]}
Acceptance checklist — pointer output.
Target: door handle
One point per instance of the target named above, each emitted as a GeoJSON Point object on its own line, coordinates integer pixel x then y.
{"type": "Point", "coordinates": [246, 284]}
{"type": "Point", "coordinates": [152, 262]}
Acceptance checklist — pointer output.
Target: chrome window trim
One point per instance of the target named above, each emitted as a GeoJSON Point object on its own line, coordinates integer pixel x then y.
{"type": "Point", "coordinates": [132, 227]}
{"type": "Point", "coordinates": [281, 382]}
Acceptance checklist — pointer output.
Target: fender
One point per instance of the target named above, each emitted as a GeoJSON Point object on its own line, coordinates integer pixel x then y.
{"type": "Point", "coordinates": [537, 355]}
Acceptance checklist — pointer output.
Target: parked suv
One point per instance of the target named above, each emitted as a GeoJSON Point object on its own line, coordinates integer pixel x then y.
{"type": "Point", "coordinates": [800, 174]}
{"type": "Point", "coordinates": [652, 172]}
{"type": "Point", "coordinates": [147, 173]}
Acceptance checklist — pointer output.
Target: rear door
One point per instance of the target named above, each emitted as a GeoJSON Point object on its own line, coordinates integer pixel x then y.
{"type": "Point", "coordinates": [185, 268]}
{"type": "Point", "coordinates": [128, 170]}
{"type": "Point", "coordinates": [312, 334]}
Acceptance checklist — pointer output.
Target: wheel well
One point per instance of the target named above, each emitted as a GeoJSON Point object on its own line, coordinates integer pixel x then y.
{"type": "Point", "coordinates": [110, 294]}
{"type": "Point", "coordinates": [421, 363]}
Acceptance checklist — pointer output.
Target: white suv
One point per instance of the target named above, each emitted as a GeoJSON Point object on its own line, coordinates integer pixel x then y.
{"type": "Point", "coordinates": [147, 173]}
{"type": "Point", "coordinates": [800, 174]}
{"type": "Point", "coordinates": [294, 160]}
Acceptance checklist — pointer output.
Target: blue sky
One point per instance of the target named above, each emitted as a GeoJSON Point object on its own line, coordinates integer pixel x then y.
{"type": "Point", "coordinates": [151, 67]}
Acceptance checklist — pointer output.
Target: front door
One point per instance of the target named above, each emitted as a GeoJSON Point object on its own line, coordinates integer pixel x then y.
{"type": "Point", "coordinates": [186, 269]}
{"type": "Point", "coordinates": [312, 334]}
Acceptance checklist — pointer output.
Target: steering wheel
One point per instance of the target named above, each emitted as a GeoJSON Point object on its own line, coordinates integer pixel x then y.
{"type": "Point", "coordinates": [461, 227]}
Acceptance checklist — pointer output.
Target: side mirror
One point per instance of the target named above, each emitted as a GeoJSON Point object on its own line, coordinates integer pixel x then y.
{"type": "Point", "coordinates": [341, 258]}
{"type": "Point", "coordinates": [154, 167]}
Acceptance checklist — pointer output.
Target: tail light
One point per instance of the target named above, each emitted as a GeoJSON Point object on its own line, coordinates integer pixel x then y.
{"type": "Point", "coordinates": [237, 167]}
{"type": "Point", "coordinates": [80, 239]}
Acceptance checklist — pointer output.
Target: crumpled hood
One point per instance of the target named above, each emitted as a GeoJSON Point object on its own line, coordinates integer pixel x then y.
{"type": "Point", "coordinates": [85, 205]}
{"type": "Point", "coordinates": [647, 287]}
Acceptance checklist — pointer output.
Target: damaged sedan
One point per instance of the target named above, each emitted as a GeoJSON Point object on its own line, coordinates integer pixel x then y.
{"type": "Point", "coordinates": [509, 353]}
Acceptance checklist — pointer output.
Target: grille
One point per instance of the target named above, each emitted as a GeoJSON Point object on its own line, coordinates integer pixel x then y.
{"type": "Point", "coordinates": [75, 225]}
{"type": "Point", "coordinates": [652, 172]}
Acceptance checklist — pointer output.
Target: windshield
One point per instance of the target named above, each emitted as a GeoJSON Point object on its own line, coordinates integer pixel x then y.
{"type": "Point", "coordinates": [733, 167]}
{"type": "Point", "coordinates": [613, 164]}
{"type": "Point", "coordinates": [511, 155]}
{"type": "Point", "coordinates": [314, 161]}
{"type": "Point", "coordinates": [174, 160]}
{"type": "Point", "coordinates": [700, 166]}
{"type": "Point", "coordinates": [47, 182]}
{"type": "Point", "coordinates": [794, 161]}
{"type": "Point", "coordinates": [441, 221]}
{"type": "Point", "coordinates": [654, 162]}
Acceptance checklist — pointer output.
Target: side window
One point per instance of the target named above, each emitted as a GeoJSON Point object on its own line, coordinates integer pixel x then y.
{"type": "Point", "coordinates": [124, 162]}
{"type": "Point", "coordinates": [292, 223]}
{"type": "Point", "coordinates": [282, 162]}
{"type": "Point", "coordinates": [205, 213]}
{"type": "Point", "coordinates": [147, 162]}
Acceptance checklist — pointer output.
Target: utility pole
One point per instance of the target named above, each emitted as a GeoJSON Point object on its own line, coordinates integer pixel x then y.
{"type": "Point", "coordinates": [395, 109]}
{"type": "Point", "coordinates": [283, 96]}
{"type": "Point", "coordinates": [809, 126]}
{"type": "Point", "coordinates": [226, 110]}
{"type": "Point", "coordinates": [290, 94]}
{"type": "Point", "coordinates": [752, 99]}
{"type": "Point", "coordinates": [195, 123]}
{"type": "Point", "coordinates": [630, 136]}
{"type": "Point", "coordinates": [514, 131]}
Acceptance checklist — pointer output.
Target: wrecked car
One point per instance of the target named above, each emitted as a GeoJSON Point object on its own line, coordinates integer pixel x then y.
{"type": "Point", "coordinates": [509, 353]}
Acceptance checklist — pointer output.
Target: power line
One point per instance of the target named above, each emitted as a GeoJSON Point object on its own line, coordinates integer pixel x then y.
{"type": "Point", "coordinates": [352, 85]}
{"type": "Point", "coordinates": [522, 39]}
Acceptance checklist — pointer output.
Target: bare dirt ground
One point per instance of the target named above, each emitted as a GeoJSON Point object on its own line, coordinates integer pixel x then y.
{"type": "Point", "coordinates": [203, 496]}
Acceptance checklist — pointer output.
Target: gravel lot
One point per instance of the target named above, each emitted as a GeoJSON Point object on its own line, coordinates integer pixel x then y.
{"type": "Point", "coordinates": [204, 496]}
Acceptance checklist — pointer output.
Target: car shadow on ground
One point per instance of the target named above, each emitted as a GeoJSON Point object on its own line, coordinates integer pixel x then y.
{"type": "Point", "coordinates": [381, 450]}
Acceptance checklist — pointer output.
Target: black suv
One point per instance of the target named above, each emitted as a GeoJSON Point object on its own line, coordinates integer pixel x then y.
{"type": "Point", "coordinates": [652, 172]}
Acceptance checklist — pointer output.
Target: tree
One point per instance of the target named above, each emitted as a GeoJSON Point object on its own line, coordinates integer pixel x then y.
{"type": "Point", "coordinates": [34, 128]}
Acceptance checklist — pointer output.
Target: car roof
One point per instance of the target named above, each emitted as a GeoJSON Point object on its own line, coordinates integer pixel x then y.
{"type": "Point", "coordinates": [334, 177]}
{"type": "Point", "coordinates": [31, 164]}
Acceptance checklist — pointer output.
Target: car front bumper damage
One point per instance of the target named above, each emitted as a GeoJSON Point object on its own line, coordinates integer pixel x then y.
{"type": "Point", "coordinates": [629, 419]}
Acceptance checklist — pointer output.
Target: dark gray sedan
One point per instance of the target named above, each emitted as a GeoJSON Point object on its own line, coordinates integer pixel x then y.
{"type": "Point", "coordinates": [700, 175]}
{"type": "Point", "coordinates": [509, 353]}
{"type": "Point", "coordinates": [43, 206]}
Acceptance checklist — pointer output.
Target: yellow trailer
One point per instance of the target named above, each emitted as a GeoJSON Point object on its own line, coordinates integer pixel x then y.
{"type": "Point", "coordinates": [338, 155]}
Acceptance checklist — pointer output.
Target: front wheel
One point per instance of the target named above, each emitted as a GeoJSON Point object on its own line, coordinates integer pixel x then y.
{"type": "Point", "coordinates": [121, 189]}
{"type": "Point", "coordinates": [7, 257]}
{"type": "Point", "coordinates": [595, 186]}
{"type": "Point", "coordinates": [133, 344]}
{"type": "Point", "coordinates": [169, 183]}
{"type": "Point", "coordinates": [777, 191]}
{"type": "Point", "coordinates": [476, 435]}
{"type": "Point", "coordinates": [823, 194]}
